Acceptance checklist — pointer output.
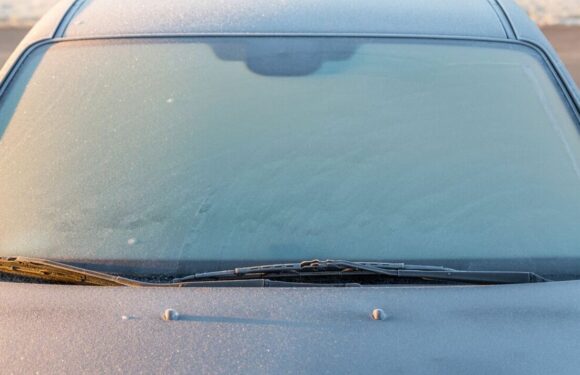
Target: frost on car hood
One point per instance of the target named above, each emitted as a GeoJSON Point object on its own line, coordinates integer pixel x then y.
{"type": "Point", "coordinates": [524, 329]}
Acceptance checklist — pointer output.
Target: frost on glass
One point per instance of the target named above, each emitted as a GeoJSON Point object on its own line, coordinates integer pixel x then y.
{"type": "Point", "coordinates": [165, 150]}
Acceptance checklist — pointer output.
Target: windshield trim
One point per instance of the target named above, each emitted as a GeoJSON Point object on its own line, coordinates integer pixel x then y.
{"type": "Point", "coordinates": [569, 92]}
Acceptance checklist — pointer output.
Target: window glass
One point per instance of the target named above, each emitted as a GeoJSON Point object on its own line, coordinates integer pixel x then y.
{"type": "Point", "coordinates": [270, 149]}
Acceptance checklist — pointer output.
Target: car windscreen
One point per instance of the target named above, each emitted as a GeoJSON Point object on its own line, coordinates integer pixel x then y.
{"type": "Point", "coordinates": [233, 150]}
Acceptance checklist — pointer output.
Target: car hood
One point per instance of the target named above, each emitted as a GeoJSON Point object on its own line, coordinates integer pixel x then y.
{"type": "Point", "coordinates": [495, 329]}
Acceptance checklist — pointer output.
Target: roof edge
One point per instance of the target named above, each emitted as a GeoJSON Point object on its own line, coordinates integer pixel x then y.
{"type": "Point", "coordinates": [67, 18]}
{"type": "Point", "coordinates": [503, 18]}
{"type": "Point", "coordinates": [44, 29]}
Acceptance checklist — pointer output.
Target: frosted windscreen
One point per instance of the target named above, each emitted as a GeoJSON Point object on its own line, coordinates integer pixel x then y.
{"type": "Point", "coordinates": [271, 149]}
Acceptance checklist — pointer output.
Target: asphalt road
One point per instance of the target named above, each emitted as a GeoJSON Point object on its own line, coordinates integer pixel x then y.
{"type": "Point", "coordinates": [566, 40]}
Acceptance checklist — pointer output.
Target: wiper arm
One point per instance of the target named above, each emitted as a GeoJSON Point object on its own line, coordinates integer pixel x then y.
{"type": "Point", "coordinates": [395, 270]}
{"type": "Point", "coordinates": [62, 273]}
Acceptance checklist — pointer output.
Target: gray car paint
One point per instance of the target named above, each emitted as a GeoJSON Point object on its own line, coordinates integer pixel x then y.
{"type": "Point", "coordinates": [530, 329]}
{"type": "Point", "coordinates": [519, 329]}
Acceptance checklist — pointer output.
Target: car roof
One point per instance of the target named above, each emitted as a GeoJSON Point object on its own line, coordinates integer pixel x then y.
{"type": "Point", "coordinates": [473, 18]}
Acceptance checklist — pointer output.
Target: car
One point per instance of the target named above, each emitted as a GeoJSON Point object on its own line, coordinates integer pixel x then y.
{"type": "Point", "coordinates": [289, 186]}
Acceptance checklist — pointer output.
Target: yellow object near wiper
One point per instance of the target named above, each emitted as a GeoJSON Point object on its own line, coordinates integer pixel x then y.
{"type": "Point", "coordinates": [51, 271]}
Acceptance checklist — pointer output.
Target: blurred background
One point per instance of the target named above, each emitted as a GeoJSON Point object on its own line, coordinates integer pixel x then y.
{"type": "Point", "coordinates": [559, 19]}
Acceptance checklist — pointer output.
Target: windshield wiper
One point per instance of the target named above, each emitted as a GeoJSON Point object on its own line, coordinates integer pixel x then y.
{"type": "Point", "coordinates": [51, 271]}
{"type": "Point", "coordinates": [344, 268]}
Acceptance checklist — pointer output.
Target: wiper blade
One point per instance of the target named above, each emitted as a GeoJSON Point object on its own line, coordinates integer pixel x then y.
{"type": "Point", "coordinates": [51, 271]}
{"type": "Point", "coordinates": [394, 270]}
